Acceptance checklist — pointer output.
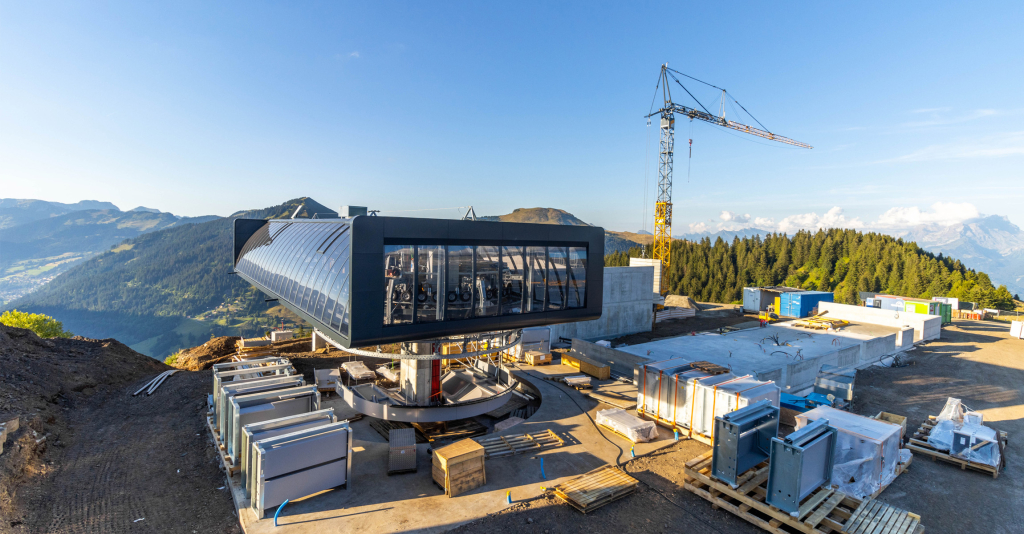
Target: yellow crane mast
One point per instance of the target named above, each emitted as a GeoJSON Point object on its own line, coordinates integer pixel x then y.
{"type": "Point", "coordinates": [663, 203]}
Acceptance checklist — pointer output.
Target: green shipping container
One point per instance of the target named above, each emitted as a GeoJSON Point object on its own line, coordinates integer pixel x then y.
{"type": "Point", "coordinates": [947, 313]}
{"type": "Point", "coordinates": [926, 308]}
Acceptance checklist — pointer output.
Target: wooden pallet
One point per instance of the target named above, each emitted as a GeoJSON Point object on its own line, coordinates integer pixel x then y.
{"type": "Point", "coordinates": [595, 489]}
{"type": "Point", "coordinates": [520, 443]}
{"type": "Point", "coordinates": [512, 405]}
{"type": "Point", "coordinates": [451, 430]}
{"type": "Point", "coordinates": [874, 516]}
{"type": "Point", "coordinates": [384, 428]}
{"type": "Point", "coordinates": [226, 464]}
{"type": "Point", "coordinates": [824, 511]}
{"type": "Point", "coordinates": [919, 444]}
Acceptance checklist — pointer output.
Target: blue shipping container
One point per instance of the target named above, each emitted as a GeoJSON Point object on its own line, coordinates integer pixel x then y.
{"type": "Point", "coordinates": [803, 303]}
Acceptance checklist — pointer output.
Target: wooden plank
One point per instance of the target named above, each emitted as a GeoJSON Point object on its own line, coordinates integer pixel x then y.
{"type": "Point", "coordinates": [755, 481]}
{"type": "Point", "coordinates": [808, 506]}
{"type": "Point", "coordinates": [824, 509]}
{"type": "Point", "coordinates": [700, 458]}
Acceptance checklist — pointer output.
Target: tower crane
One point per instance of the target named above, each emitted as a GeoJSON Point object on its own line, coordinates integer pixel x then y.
{"type": "Point", "coordinates": [663, 204]}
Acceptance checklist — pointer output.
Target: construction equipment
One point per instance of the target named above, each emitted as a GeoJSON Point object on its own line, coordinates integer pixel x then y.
{"type": "Point", "coordinates": [663, 203]}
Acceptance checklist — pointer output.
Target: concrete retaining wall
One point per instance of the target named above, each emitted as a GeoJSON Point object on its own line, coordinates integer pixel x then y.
{"type": "Point", "coordinates": [925, 327]}
{"type": "Point", "coordinates": [628, 301]}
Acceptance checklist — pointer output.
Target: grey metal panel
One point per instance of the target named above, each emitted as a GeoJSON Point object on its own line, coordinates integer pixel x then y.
{"type": "Point", "coordinates": [800, 464]}
{"type": "Point", "coordinates": [244, 229]}
{"type": "Point", "coordinates": [232, 430]}
{"type": "Point", "coordinates": [742, 440]}
{"type": "Point", "coordinates": [246, 387]}
{"type": "Point", "coordinates": [230, 366]}
{"type": "Point", "coordinates": [275, 427]}
{"type": "Point", "coordinates": [402, 437]}
{"type": "Point", "coordinates": [300, 463]}
{"type": "Point", "coordinates": [274, 409]}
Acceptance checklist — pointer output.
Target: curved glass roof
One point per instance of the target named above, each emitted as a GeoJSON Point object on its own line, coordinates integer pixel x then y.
{"type": "Point", "coordinates": [305, 264]}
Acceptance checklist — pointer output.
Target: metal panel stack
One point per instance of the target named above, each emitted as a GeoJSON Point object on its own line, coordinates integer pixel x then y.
{"type": "Point", "coordinates": [402, 450]}
{"type": "Point", "coordinates": [837, 381]}
{"type": "Point", "coordinates": [742, 440]}
{"type": "Point", "coordinates": [300, 463]}
{"type": "Point", "coordinates": [256, 432]}
{"type": "Point", "coordinates": [264, 406]}
{"type": "Point", "coordinates": [657, 387]}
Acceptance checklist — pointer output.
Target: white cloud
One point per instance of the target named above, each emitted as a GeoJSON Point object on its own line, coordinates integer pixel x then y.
{"type": "Point", "coordinates": [354, 54]}
{"type": "Point", "coordinates": [698, 228]}
{"type": "Point", "coordinates": [764, 222]}
{"type": "Point", "coordinates": [729, 216]}
{"type": "Point", "coordinates": [942, 213]}
{"type": "Point", "coordinates": [833, 218]}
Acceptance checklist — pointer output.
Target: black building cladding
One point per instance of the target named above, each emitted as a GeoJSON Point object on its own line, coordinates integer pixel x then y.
{"type": "Point", "coordinates": [371, 280]}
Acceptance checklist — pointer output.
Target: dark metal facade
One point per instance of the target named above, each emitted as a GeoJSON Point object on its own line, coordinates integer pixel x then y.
{"type": "Point", "coordinates": [371, 280]}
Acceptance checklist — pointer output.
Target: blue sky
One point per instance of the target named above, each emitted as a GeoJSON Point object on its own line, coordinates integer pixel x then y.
{"type": "Point", "coordinates": [914, 111]}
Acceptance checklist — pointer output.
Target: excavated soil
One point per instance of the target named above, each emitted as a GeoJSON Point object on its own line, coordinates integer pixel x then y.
{"type": "Point", "coordinates": [89, 457]}
{"type": "Point", "coordinates": [205, 355]}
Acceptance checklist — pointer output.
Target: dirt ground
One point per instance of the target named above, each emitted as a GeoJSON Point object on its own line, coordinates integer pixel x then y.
{"type": "Point", "coordinates": [109, 462]}
{"type": "Point", "coordinates": [974, 361]}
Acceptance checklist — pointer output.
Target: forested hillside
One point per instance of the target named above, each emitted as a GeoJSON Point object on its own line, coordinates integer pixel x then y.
{"type": "Point", "coordinates": [147, 287]}
{"type": "Point", "coordinates": [842, 261]}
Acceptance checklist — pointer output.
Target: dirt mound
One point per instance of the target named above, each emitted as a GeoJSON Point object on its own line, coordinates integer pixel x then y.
{"type": "Point", "coordinates": [41, 381]}
{"type": "Point", "coordinates": [207, 354]}
{"type": "Point", "coordinates": [680, 301]}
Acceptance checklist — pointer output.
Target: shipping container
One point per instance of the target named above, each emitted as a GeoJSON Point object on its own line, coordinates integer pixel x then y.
{"type": "Point", "coordinates": [923, 307]}
{"type": "Point", "coordinates": [802, 304]}
{"type": "Point", "coordinates": [758, 299]}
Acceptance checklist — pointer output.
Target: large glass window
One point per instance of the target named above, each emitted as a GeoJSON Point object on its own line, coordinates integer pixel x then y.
{"type": "Point", "coordinates": [429, 263]}
{"type": "Point", "coordinates": [513, 280]}
{"type": "Point", "coordinates": [576, 291]}
{"type": "Point", "coordinates": [557, 259]}
{"type": "Point", "coordinates": [486, 289]}
{"type": "Point", "coordinates": [458, 287]}
{"type": "Point", "coordinates": [536, 273]}
{"type": "Point", "coordinates": [398, 283]}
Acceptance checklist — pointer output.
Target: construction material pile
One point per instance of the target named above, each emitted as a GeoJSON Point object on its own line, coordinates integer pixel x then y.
{"type": "Point", "coordinates": [207, 354]}
{"type": "Point", "coordinates": [632, 428]}
{"type": "Point", "coordinates": [962, 432]}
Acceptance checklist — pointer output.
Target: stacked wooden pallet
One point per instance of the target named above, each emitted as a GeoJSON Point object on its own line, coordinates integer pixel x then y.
{"type": "Point", "coordinates": [919, 444]}
{"type": "Point", "coordinates": [451, 430]}
{"type": "Point", "coordinates": [670, 313]}
{"type": "Point", "coordinates": [520, 443]}
{"type": "Point", "coordinates": [595, 489]}
{"type": "Point", "coordinates": [821, 323]}
{"type": "Point", "coordinates": [824, 511]}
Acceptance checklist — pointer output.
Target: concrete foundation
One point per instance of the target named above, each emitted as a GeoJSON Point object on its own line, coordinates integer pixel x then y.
{"type": "Point", "coordinates": [793, 363]}
{"type": "Point", "coordinates": [926, 327]}
{"type": "Point", "coordinates": [627, 308]}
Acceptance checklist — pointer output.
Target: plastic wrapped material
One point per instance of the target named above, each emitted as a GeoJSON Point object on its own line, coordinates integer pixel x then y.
{"type": "Point", "coordinates": [633, 428]}
{"type": "Point", "coordinates": [358, 371]}
{"type": "Point", "coordinates": [976, 443]}
{"type": "Point", "coordinates": [867, 450]}
{"type": "Point", "coordinates": [948, 420]}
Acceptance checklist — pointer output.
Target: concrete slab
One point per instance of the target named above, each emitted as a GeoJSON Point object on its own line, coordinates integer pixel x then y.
{"type": "Point", "coordinates": [376, 502]}
{"type": "Point", "coordinates": [792, 363]}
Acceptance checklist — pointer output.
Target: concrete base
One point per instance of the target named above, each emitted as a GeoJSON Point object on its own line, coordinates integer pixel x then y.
{"type": "Point", "coordinates": [793, 364]}
{"type": "Point", "coordinates": [376, 502]}
{"type": "Point", "coordinates": [926, 327]}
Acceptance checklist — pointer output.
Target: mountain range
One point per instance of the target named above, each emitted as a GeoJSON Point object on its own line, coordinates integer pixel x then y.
{"type": "Point", "coordinates": [39, 239]}
{"type": "Point", "coordinates": [160, 282]}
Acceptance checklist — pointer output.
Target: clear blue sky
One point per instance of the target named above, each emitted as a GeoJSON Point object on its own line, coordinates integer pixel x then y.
{"type": "Point", "coordinates": [211, 107]}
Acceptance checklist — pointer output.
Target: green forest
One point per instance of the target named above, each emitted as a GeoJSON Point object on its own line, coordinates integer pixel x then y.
{"type": "Point", "coordinates": [841, 261]}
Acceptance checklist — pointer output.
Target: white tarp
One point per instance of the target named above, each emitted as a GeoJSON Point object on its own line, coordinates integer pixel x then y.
{"type": "Point", "coordinates": [635, 429]}
{"type": "Point", "coordinates": [965, 438]}
{"type": "Point", "coordinates": [1017, 329]}
{"type": "Point", "coordinates": [867, 450]}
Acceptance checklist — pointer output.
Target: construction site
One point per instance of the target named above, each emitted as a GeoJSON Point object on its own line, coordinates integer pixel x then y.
{"type": "Point", "coordinates": [481, 376]}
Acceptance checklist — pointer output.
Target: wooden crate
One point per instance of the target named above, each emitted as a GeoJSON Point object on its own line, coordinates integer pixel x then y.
{"type": "Point", "coordinates": [459, 467]}
{"type": "Point", "coordinates": [534, 357]}
{"type": "Point", "coordinates": [822, 512]}
{"type": "Point", "coordinates": [597, 370]}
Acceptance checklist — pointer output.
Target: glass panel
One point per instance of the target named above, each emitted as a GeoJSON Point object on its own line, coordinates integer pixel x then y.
{"type": "Point", "coordinates": [459, 283]}
{"type": "Point", "coordinates": [304, 268]}
{"type": "Point", "coordinates": [557, 257]}
{"type": "Point", "coordinates": [577, 288]}
{"type": "Point", "coordinates": [487, 289]}
{"type": "Point", "coordinates": [339, 258]}
{"type": "Point", "coordinates": [340, 320]}
{"type": "Point", "coordinates": [513, 280]}
{"type": "Point", "coordinates": [321, 268]}
{"type": "Point", "coordinates": [536, 271]}
{"type": "Point", "coordinates": [430, 262]}
{"type": "Point", "coordinates": [285, 241]}
{"type": "Point", "coordinates": [295, 258]}
{"type": "Point", "coordinates": [313, 269]}
{"type": "Point", "coordinates": [398, 284]}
